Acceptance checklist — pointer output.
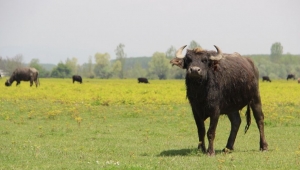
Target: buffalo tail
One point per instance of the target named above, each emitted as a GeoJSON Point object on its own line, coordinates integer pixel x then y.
{"type": "Point", "coordinates": [248, 118]}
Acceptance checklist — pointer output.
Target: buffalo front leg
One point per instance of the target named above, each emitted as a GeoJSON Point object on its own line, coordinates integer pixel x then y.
{"type": "Point", "coordinates": [211, 135]}
{"type": "Point", "coordinates": [201, 134]}
{"type": "Point", "coordinates": [31, 81]}
{"type": "Point", "coordinates": [200, 126]}
{"type": "Point", "coordinates": [235, 120]}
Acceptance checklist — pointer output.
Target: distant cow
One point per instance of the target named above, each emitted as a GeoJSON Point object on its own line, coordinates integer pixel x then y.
{"type": "Point", "coordinates": [142, 80]}
{"type": "Point", "coordinates": [266, 78]}
{"type": "Point", "coordinates": [77, 78]}
{"type": "Point", "coordinates": [291, 76]}
{"type": "Point", "coordinates": [24, 74]}
{"type": "Point", "coordinates": [298, 80]}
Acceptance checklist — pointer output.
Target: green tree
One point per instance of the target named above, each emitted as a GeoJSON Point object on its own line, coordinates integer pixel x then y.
{"type": "Point", "coordinates": [276, 51]}
{"type": "Point", "coordinates": [177, 73]}
{"type": "Point", "coordinates": [171, 52]}
{"type": "Point", "coordinates": [136, 71]}
{"type": "Point", "coordinates": [102, 66]}
{"type": "Point", "coordinates": [61, 71]}
{"type": "Point", "coordinates": [121, 56]}
{"type": "Point", "coordinates": [12, 63]}
{"type": "Point", "coordinates": [90, 68]}
{"type": "Point", "coordinates": [42, 71]}
{"type": "Point", "coordinates": [116, 68]}
{"type": "Point", "coordinates": [193, 44]}
{"type": "Point", "coordinates": [72, 63]}
{"type": "Point", "coordinates": [159, 65]}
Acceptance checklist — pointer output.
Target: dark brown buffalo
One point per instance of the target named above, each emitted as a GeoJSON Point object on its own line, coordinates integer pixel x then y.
{"type": "Point", "coordinates": [142, 80]}
{"type": "Point", "coordinates": [266, 78]}
{"type": "Point", "coordinates": [24, 74]}
{"type": "Point", "coordinates": [291, 76]}
{"type": "Point", "coordinates": [219, 83]}
{"type": "Point", "coordinates": [77, 78]}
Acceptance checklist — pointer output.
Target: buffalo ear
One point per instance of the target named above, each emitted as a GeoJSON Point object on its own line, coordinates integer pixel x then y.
{"type": "Point", "coordinates": [177, 62]}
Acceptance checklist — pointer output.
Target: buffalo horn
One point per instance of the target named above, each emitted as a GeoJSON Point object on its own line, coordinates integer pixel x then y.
{"type": "Point", "coordinates": [219, 54]}
{"type": "Point", "coordinates": [179, 51]}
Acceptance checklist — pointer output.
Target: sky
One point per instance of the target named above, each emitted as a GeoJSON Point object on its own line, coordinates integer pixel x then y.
{"type": "Point", "coordinates": [54, 30]}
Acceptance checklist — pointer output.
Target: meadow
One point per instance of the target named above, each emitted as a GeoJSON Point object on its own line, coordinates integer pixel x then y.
{"type": "Point", "coordinates": [120, 124]}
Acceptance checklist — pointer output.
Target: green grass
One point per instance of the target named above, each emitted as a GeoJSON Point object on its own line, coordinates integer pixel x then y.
{"type": "Point", "coordinates": [42, 134]}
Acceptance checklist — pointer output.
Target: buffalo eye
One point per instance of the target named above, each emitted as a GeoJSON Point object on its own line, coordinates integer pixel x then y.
{"type": "Point", "coordinates": [204, 61]}
{"type": "Point", "coordinates": [188, 59]}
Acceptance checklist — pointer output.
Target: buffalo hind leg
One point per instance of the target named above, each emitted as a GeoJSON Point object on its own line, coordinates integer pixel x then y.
{"type": "Point", "coordinates": [36, 83]}
{"type": "Point", "coordinates": [235, 120]}
{"type": "Point", "coordinates": [259, 118]}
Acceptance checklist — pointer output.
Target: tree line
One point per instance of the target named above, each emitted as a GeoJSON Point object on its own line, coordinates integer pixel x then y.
{"type": "Point", "coordinates": [276, 65]}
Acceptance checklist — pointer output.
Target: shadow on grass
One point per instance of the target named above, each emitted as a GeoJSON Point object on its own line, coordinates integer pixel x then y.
{"type": "Point", "coordinates": [180, 152]}
{"type": "Point", "coordinates": [193, 152]}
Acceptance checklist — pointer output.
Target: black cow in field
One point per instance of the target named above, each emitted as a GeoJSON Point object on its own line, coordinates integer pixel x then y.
{"type": "Point", "coordinates": [291, 76]}
{"type": "Point", "coordinates": [142, 80]}
{"type": "Point", "coordinates": [77, 78]}
{"type": "Point", "coordinates": [266, 78]}
{"type": "Point", "coordinates": [24, 74]}
{"type": "Point", "coordinates": [219, 83]}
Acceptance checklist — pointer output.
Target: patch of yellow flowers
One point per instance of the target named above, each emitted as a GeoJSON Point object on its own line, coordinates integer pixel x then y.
{"type": "Point", "coordinates": [280, 99]}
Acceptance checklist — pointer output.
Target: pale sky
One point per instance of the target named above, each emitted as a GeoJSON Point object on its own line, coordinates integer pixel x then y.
{"type": "Point", "coordinates": [54, 30]}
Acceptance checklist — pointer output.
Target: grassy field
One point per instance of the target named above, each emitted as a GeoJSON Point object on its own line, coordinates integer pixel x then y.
{"type": "Point", "coordinates": [120, 124]}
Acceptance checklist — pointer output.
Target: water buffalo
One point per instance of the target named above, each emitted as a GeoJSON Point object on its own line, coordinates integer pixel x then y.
{"type": "Point", "coordinates": [219, 83]}
{"type": "Point", "coordinates": [142, 80]}
{"type": "Point", "coordinates": [77, 78]}
{"type": "Point", "coordinates": [24, 74]}
{"type": "Point", "coordinates": [291, 76]}
{"type": "Point", "coordinates": [266, 78]}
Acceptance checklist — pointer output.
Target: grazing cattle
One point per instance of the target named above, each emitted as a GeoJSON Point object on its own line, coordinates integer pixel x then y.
{"type": "Point", "coordinates": [219, 83]}
{"type": "Point", "coordinates": [298, 80]}
{"type": "Point", "coordinates": [266, 78]}
{"type": "Point", "coordinates": [142, 80]}
{"type": "Point", "coordinates": [291, 76]}
{"type": "Point", "coordinates": [24, 74]}
{"type": "Point", "coordinates": [77, 78]}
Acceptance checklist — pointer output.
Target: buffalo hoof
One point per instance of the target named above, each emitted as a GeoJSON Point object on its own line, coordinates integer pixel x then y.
{"type": "Point", "coordinates": [211, 153]}
{"type": "Point", "coordinates": [226, 150]}
{"type": "Point", "coordinates": [263, 149]}
{"type": "Point", "coordinates": [201, 147]}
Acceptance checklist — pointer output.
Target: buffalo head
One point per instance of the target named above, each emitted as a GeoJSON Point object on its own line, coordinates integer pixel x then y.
{"type": "Point", "coordinates": [197, 61]}
{"type": "Point", "coordinates": [7, 83]}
